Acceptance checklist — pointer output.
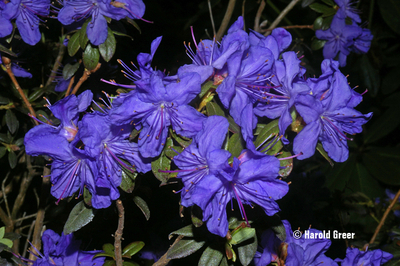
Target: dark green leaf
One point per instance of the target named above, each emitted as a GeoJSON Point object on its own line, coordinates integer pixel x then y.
{"type": "Point", "coordinates": [87, 196]}
{"type": "Point", "coordinates": [5, 138]}
{"type": "Point", "coordinates": [391, 81]}
{"type": "Point", "coordinates": [214, 109]}
{"type": "Point", "coordinates": [370, 75]}
{"type": "Point", "coordinates": [132, 22]}
{"type": "Point", "coordinates": [235, 145]}
{"type": "Point", "coordinates": [128, 179]}
{"type": "Point", "coordinates": [83, 39]}
{"type": "Point", "coordinates": [383, 125]}
{"type": "Point", "coordinates": [317, 44]}
{"type": "Point", "coordinates": [12, 159]}
{"type": "Point", "coordinates": [4, 100]}
{"type": "Point", "coordinates": [184, 248]}
{"type": "Point", "coordinates": [280, 231]}
{"type": "Point", "coordinates": [7, 51]}
{"type": "Point", "coordinates": [91, 57]}
{"type": "Point", "coordinates": [107, 48]}
{"type": "Point", "coordinates": [109, 249]}
{"type": "Point", "coordinates": [306, 3]}
{"type": "Point", "coordinates": [40, 114]}
{"type": "Point", "coordinates": [224, 262]}
{"type": "Point", "coordinates": [2, 151]}
{"type": "Point", "coordinates": [12, 236]}
{"type": "Point", "coordinates": [362, 181]}
{"type": "Point", "coordinates": [12, 122]}
{"type": "Point", "coordinates": [182, 141]}
{"type": "Point", "coordinates": [101, 254]}
{"type": "Point", "coordinates": [195, 216]}
{"type": "Point", "coordinates": [2, 231]}
{"type": "Point", "coordinates": [383, 164]}
{"type": "Point", "coordinates": [242, 234]}
{"type": "Point", "coordinates": [329, 2]}
{"type": "Point", "coordinates": [390, 10]}
{"type": "Point", "coordinates": [162, 163]}
{"type": "Point", "coordinates": [69, 70]}
{"type": "Point", "coordinates": [184, 231]}
{"type": "Point", "coordinates": [267, 132]}
{"type": "Point", "coordinates": [129, 263]}
{"type": "Point", "coordinates": [206, 87]}
{"type": "Point", "coordinates": [247, 252]}
{"type": "Point", "coordinates": [287, 164]}
{"type": "Point", "coordinates": [133, 248]}
{"type": "Point", "coordinates": [324, 154]}
{"type": "Point", "coordinates": [122, 34]}
{"type": "Point", "coordinates": [210, 257]}
{"type": "Point", "coordinates": [170, 151]}
{"type": "Point", "coordinates": [73, 44]}
{"type": "Point", "coordinates": [340, 174]}
{"type": "Point", "coordinates": [326, 24]}
{"type": "Point", "coordinates": [142, 206]}
{"type": "Point", "coordinates": [392, 100]}
{"type": "Point", "coordinates": [37, 92]}
{"type": "Point", "coordinates": [78, 218]}
{"type": "Point", "coordinates": [318, 23]}
{"type": "Point", "coordinates": [233, 127]}
{"type": "Point", "coordinates": [320, 8]}
{"type": "Point", "coordinates": [109, 263]}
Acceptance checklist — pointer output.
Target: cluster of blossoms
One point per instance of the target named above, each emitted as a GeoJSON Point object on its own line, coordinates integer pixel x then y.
{"type": "Point", "coordinates": [26, 15]}
{"type": "Point", "coordinates": [343, 38]}
{"type": "Point", "coordinates": [304, 251]}
{"type": "Point", "coordinates": [64, 250]}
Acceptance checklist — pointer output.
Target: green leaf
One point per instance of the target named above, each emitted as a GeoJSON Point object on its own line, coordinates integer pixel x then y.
{"type": "Point", "coordinates": [329, 2]}
{"type": "Point", "coordinates": [318, 23]}
{"type": "Point", "coordinates": [7, 51]}
{"type": "Point", "coordinates": [4, 100]}
{"type": "Point", "coordinates": [224, 262]}
{"type": "Point", "coordinates": [12, 122]}
{"type": "Point", "coordinates": [69, 70]}
{"type": "Point", "coordinates": [206, 87]}
{"type": "Point", "coordinates": [142, 206]}
{"type": "Point", "coordinates": [235, 145]}
{"type": "Point", "coordinates": [383, 164]}
{"type": "Point", "coordinates": [362, 181]}
{"type": "Point", "coordinates": [12, 159]}
{"type": "Point", "coordinates": [132, 22]}
{"type": "Point", "coordinates": [129, 263]}
{"type": "Point", "coordinates": [182, 141]}
{"type": "Point", "coordinates": [233, 127]}
{"type": "Point", "coordinates": [162, 163]}
{"type": "Point", "coordinates": [2, 231]}
{"type": "Point", "coordinates": [383, 125]}
{"type": "Point", "coordinates": [338, 177]}
{"type": "Point", "coordinates": [390, 11]}
{"type": "Point", "coordinates": [317, 44]}
{"type": "Point", "coordinates": [73, 44]}
{"type": "Point", "coordinates": [320, 8]}
{"type": "Point", "coordinates": [324, 154]}
{"type": "Point", "coordinates": [214, 109]}
{"type": "Point", "coordinates": [128, 179]}
{"type": "Point", "coordinates": [83, 39]}
{"type": "Point", "coordinates": [184, 248]}
{"type": "Point", "coordinates": [306, 3]}
{"type": "Point", "coordinates": [242, 234]}
{"type": "Point", "coordinates": [121, 34]}
{"type": "Point", "coordinates": [109, 263]}
{"type": "Point", "coordinates": [234, 223]}
{"type": "Point", "coordinates": [267, 132]}
{"type": "Point", "coordinates": [101, 254]}
{"type": "Point", "coordinates": [369, 75]}
{"type": "Point", "coordinates": [280, 231]}
{"type": "Point", "coordinates": [87, 196]}
{"type": "Point", "coordinates": [107, 48]}
{"type": "Point", "coordinates": [37, 92]}
{"type": "Point", "coordinates": [2, 151]}
{"type": "Point", "coordinates": [133, 248]}
{"type": "Point", "coordinates": [326, 24]}
{"type": "Point", "coordinates": [6, 242]}
{"type": "Point", "coordinates": [170, 151]}
{"type": "Point", "coordinates": [184, 231]}
{"type": "Point", "coordinates": [91, 57]}
{"type": "Point", "coordinates": [247, 252]}
{"type": "Point", "coordinates": [210, 257]}
{"type": "Point", "coordinates": [78, 218]}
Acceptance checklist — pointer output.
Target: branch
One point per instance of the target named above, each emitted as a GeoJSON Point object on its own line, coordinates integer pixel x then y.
{"type": "Point", "coordinates": [281, 16]}
{"type": "Point", "coordinates": [7, 64]}
{"type": "Point", "coordinates": [384, 217]}
{"type": "Point", "coordinates": [211, 17]}
{"type": "Point", "coordinates": [164, 260]}
{"type": "Point", "coordinates": [57, 64]}
{"type": "Point", "coordinates": [118, 233]}
{"type": "Point", "coordinates": [36, 237]}
{"type": "Point", "coordinates": [257, 27]}
{"type": "Point", "coordinates": [225, 21]}
{"type": "Point", "coordinates": [85, 76]}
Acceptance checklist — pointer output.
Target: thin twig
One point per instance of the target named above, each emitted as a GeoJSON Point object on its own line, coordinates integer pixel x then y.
{"type": "Point", "coordinates": [25, 217]}
{"type": "Point", "coordinates": [85, 76]}
{"type": "Point", "coordinates": [243, 9]}
{"type": "Point", "coordinates": [378, 228]}
{"type": "Point", "coordinates": [5, 195]}
{"type": "Point", "coordinates": [211, 17]}
{"type": "Point", "coordinates": [311, 27]}
{"type": "Point", "coordinates": [7, 64]}
{"type": "Point", "coordinates": [71, 82]}
{"type": "Point", "coordinates": [36, 237]}
{"type": "Point", "coordinates": [57, 64]}
{"type": "Point", "coordinates": [164, 259]}
{"type": "Point", "coordinates": [28, 237]}
{"type": "Point", "coordinates": [7, 190]}
{"type": "Point", "coordinates": [118, 233]}
{"type": "Point", "coordinates": [225, 21]}
{"type": "Point", "coordinates": [281, 16]}
{"type": "Point", "coordinates": [257, 27]}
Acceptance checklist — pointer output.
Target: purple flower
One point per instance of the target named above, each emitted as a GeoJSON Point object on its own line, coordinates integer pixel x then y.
{"type": "Point", "coordinates": [17, 70]}
{"type": "Point", "coordinates": [339, 38]}
{"type": "Point", "coordinates": [346, 9]}
{"type": "Point", "coordinates": [26, 13]}
{"type": "Point", "coordinates": [64, 250]}
{"type": "Point", "coordinates": [328, 113]}
{"type": "Point", "coordinates": [277, 42]}
{"type": "Point", "coordinates": [5, 24]}
{"type": "Point", "coordinates": [366, 258]}
{"type": "Point", "coordinates": [156, 106]}
{"type": "Point", "coordinates": [363, 42]}
{"type": "Point", "coordinates": [203, 156]}
{"type": "Point", "coordinates": [74, 10]}
{"type": "Point", "coordinates": [252, 181]}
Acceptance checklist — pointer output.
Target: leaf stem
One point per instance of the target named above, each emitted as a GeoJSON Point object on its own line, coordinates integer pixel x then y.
{"type": "Point", "coordinates": [164, 259]}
